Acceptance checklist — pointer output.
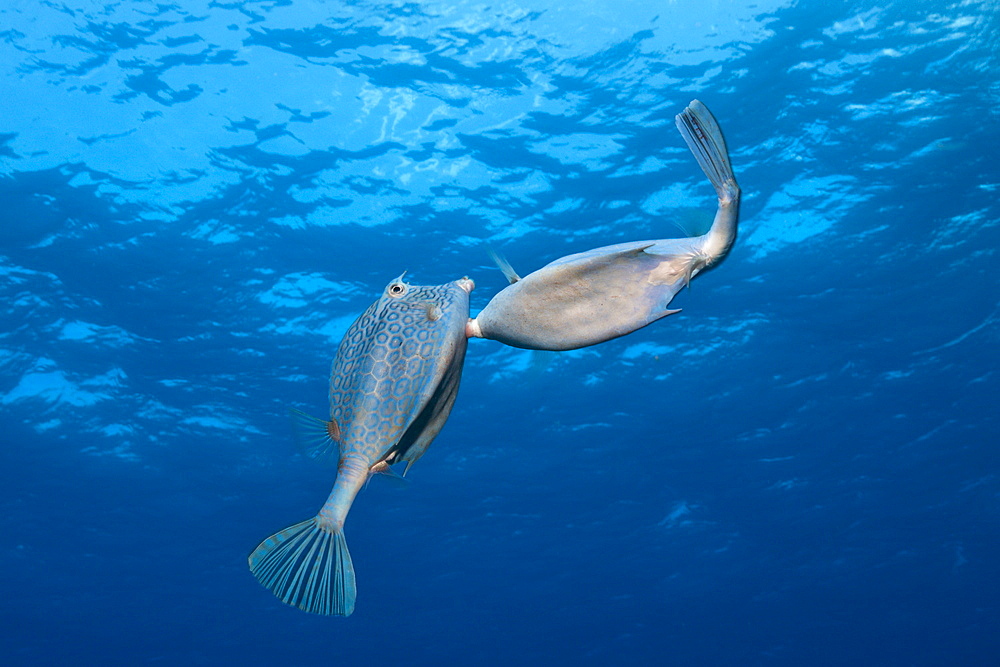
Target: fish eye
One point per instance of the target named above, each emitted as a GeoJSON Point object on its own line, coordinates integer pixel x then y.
{"type": "Point", "coordinates": [397, 289]}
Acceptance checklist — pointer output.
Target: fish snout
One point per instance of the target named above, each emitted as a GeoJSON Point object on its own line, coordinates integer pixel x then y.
{"type": "Point", "coordinates": [466, 283]}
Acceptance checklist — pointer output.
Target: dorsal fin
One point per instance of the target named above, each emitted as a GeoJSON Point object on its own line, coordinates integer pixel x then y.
{"type": "Point", "coordinates": [502, 264]}
{"type": "Point", "coordinates": [641, 249]}
{"type": "Point", "coordinates": [317, 438]}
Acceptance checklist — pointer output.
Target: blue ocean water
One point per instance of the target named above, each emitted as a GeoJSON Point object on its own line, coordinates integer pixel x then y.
{"type": "Point", "coordinates": [799, 469]}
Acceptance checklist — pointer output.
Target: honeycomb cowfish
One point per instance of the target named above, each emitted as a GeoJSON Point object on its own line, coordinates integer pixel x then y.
{"type": "Point", "coordinates": [594, 296]}
{"type": "Point", "coordinates": [393, 383]}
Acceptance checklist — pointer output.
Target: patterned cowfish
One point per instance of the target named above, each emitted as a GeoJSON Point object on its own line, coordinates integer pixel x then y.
{"type": "Point", "coordinates": [600, 294]}
{"type": "Point", "coordinates": [393, 383]}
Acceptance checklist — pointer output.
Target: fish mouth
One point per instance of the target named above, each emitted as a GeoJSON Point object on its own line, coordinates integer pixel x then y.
{"type": "Point", "coordinates": [466, 283]}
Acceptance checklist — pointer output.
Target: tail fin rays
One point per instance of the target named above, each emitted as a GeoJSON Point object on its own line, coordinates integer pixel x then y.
{"type": "Point", "coordinates": [703, 136]}
{"type": "Point", "coordinates": [309, 567]}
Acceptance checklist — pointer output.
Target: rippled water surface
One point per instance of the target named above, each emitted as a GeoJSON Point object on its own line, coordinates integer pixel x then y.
{"type": "Point", "coordinates": [196, 200]}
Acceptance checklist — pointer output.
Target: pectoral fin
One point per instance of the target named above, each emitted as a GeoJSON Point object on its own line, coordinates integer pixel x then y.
{"type": "Point", "coordinates": [434, 312]}
{"type": "Point", "coordinates": [503, 264]}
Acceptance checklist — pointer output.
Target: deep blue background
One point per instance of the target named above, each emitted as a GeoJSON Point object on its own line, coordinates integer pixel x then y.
{"type": "Point", "coordinates": [801, 468]}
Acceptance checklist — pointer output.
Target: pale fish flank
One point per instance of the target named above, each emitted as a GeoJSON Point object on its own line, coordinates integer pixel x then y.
{"type": "Point", "coordinates": [393, 383]}
{"type": "Point", "coordinates": [594, 296]}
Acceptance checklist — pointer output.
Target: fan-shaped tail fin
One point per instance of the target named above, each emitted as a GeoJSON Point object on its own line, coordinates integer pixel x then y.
{"type": "Point", "coordinates": [307, 566]}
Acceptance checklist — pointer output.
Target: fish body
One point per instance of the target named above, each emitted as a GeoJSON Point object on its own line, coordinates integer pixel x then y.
{"type": "Point", "coordinates": [397, 370]}
{"type": "Point", "coordinates": [601, 294]}
{"type": "Point", "coordinates": [392, 385]}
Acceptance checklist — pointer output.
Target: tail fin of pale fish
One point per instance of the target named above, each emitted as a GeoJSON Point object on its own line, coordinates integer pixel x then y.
{"type": "Point", "coordinates": [307, 566]}
{"type": "Point", "coordinates": [703, 136]}
{"type": "Point", "coordinates": [502, 264]}
{"type": "Point", "coordinates": [317, 438]}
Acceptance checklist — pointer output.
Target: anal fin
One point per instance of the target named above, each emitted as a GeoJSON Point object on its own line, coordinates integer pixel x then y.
{"type": "Point", "coordinates": [383, 469]}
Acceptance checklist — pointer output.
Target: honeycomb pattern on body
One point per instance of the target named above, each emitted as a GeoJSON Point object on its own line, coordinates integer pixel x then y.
{"type": "Point", "coordinates": [387, 357]}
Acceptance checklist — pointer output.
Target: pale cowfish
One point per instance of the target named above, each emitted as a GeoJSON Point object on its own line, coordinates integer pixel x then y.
{"type": "Point", "coordinates": [392, 386]}
{"type": "Point", "coordinates": [594, 296]}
